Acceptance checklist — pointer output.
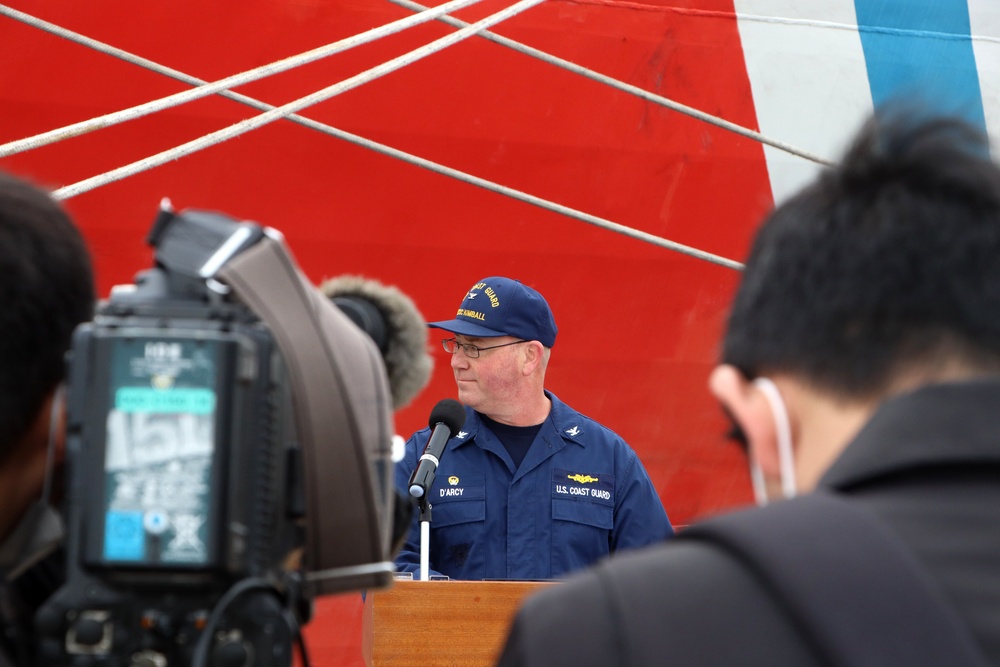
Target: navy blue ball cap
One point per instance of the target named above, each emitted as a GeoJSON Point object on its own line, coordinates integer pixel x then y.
{"type": "Point", "coordinates": [499, 306]}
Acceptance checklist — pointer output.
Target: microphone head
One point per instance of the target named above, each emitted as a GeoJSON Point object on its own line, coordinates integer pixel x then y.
{"type": "Point", "coordinates": [392, 320]}
{"type": "Point", "coordinates": [449, 412]}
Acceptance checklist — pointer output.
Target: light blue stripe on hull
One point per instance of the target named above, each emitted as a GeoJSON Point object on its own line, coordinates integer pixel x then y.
{"type": "Point", "coordinates": [921, 48]}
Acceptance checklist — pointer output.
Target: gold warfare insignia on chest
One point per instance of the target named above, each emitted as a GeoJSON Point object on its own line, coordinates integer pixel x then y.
{"type": "Point", "coordinates": [453, 480]}
{"type": "Point", "coordinates": [583, 479]}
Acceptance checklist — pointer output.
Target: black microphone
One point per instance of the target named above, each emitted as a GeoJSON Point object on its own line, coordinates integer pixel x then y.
{"type": "Point", "coordinates": [447, 417]}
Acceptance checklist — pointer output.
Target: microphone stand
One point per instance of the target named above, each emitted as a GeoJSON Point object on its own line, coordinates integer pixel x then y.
{"type": "Point", "coordinates": [447, 417]}
{"type": "Point", "coordinates": [425, 537]}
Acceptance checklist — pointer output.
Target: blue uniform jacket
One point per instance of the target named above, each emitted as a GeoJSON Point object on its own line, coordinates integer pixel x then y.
{"type": "Point", "coordinates": [580, 493]}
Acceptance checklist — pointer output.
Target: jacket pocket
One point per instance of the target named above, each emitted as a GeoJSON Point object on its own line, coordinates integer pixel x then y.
{"type": "Point", "coordinates": [458, 512]}
{"type": "Point", "coordinates": [581, 534]}
{"type": "Point", "coordinates": [458, 538]}
{"type": "Point", "coordinates": [583, 512]}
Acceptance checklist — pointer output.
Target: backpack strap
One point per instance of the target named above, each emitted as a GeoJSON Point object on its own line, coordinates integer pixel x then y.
{"type": "Point", "coordinates": [856, 591]}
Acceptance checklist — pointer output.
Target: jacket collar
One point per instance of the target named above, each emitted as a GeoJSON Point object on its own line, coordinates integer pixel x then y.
{"type": "Point", "coordinates": [566, 421]}
{"type": "Point", "coordinates": [936, 425]}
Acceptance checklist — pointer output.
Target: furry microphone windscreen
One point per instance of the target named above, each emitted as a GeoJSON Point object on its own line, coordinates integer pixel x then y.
{"type": "Point", "coordinates": [394, 323]}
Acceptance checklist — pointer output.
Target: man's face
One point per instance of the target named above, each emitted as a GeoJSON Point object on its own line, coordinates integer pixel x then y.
{"type": "Point", "coordinates": [490, 383]}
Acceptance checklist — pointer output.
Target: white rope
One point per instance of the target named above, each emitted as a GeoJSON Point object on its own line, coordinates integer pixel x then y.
{"type": "Point", "coordinates": [629, 88]}
{"type": "Point", "coordinates": [852, 27]}
{"type": "Point", "coordinates": [392, 152]}
{"type": "Point", "coordinates": [233, 81]}
{"type": "Point", "coordinates": [280, 112]}
{"type": "Point", "coordinates": [536, 201]}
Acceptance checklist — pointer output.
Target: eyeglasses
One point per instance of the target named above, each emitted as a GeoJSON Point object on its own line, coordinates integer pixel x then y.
{"type": "Point", "coordinates": [452, 346]}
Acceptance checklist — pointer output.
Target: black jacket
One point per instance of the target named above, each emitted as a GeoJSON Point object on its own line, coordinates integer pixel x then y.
{"type": "Point", "coordinates": [19, 600]}
{"type": "Point", "coordinates": [927, 464]}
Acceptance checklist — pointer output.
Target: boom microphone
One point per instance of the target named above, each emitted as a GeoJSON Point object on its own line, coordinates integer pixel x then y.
{"type": "Point", "coordinates": [447, 417]}
{"type": "Point", "coordinates": [392, 320]}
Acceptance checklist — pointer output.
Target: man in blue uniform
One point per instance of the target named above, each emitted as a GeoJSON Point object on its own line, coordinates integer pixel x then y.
{"type": "Point", "coordinates": [529, 488]}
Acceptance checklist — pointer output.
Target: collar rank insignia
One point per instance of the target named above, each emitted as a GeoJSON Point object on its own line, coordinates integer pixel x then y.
{"type": "Point", "coordinates": [461, 435]}
{"type": "Point", "coordinates": [573, 432]}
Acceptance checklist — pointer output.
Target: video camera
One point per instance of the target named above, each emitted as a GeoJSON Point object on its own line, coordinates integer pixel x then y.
{"type": "Point", "coordinates": [228, 456]}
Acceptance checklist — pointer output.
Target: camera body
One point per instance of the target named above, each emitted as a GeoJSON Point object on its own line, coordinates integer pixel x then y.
{"type": "Point", "coordinates": [186, 492]}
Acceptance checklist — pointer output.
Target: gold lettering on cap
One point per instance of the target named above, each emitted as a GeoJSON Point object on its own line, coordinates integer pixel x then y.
{"type": "Point", "coordinates": [471, 313]}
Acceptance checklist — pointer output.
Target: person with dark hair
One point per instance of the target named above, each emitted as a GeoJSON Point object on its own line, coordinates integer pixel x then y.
{"type": "Point", "coordinates": [861, 364]}
{"type": "Point", "coordinates": [529, 488]}
{"type": "Point", "coordinates": [47, 289]}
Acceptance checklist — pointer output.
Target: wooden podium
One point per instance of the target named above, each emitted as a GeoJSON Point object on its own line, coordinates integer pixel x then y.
{"type": "Point", "coordinates": [440, 623]}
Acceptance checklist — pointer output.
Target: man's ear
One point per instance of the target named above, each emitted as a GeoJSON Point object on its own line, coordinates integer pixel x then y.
{"type": "Point", "coordinates": [50, 417]}
{"type": "Point", "coordinates": [749, 407]}
{"type": "Point", "coordinates": [57, 421]}
{"type": "Point", "coordinates": [533, 351]}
